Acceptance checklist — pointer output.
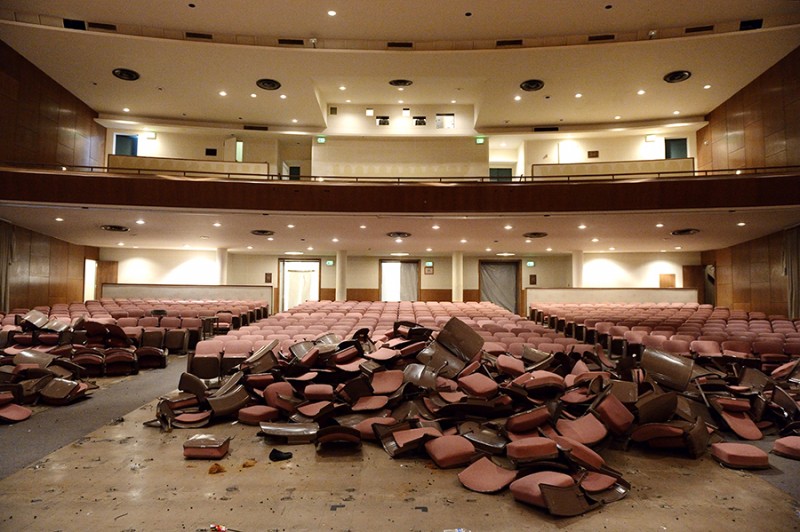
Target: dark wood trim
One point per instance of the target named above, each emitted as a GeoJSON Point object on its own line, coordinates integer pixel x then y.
{"type": "Point", "coordinates": [436, 294]}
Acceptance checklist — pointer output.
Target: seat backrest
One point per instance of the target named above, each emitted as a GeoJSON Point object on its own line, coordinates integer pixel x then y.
{"type": "Point", "coordinates": [208, 347]}
{"type": "Point", "coordinates": [238, 347]}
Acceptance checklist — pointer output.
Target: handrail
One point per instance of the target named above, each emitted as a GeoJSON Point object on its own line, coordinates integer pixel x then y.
{"type": "Point", "coordinates": [116, 172]}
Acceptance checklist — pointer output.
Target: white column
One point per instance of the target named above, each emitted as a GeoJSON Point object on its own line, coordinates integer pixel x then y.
{"type": "Point", "coordinates": [222, 265]}
{"type": "Point", "coordinates": [458, 276]}
{"type": "Point", "coordinates": [577, 269]}
{"type": "Point", "coordinates": [341, 276]}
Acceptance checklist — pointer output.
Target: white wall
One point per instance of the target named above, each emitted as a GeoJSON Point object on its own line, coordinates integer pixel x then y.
{"type": "Point", "coordinates": [600, 270]}
{"type": "Point", "coordinates": [157, 266]}
{"type": "Point", "coordinates": [399, 157]}
{"type": "Point", "coordinates": [352, 120]}
{"type": "Point", "coordinates": [634, 270]}
{"type": "Point", "coordinates": [193, 146]}
{"type": "Point", "coordinates": [630, 148]}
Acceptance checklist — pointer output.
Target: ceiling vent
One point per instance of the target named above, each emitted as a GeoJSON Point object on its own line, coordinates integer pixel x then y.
{"type": "Point", "coordinates": [545, 129]}
{"type": "Point", "coordinates": [201, 36]}
{"type": "Point", "coordinates": [291, 42]}
{"type": "Point", "coordinates": [685, 232]}
{"type": "Point", "coordinates": [532, 85]}
{"type": "Point", "coordinates": [125, 74]}
{"type": "Point", "coordinates": [601, 38]}
{"type": "Point", "coordinates": [398, 234]}
{"type": "Point", "coordinates": [535, 234]}
{"type": "Point", "coordinates": [115, 228]}
{"type": "Point", "coordinates": [677, 76]}
{"type": "Point", "coordinates": [699, 29]}
{"type": "Point", "coordinates": [253, 127]}
{"type": "Point", "coordinates": [508, 42]}
{"type": "Point", "coordinates": [262, 232]}
{"type": "Point", "coordinates": [97, 26]}
{"type": "Point", "coordinates": [400, 44]}
{"type": "Point", "coordinates": [401, 83]}
{"type": "Point", "coordinates": [268, 84]}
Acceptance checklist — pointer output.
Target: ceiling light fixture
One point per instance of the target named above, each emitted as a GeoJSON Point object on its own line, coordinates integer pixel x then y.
{"type": "Point", "coordinates": [578, 95]}
{"type": "Point", "coordinates": [292, 252]}
{"type": "Point", "coordinates": [370, 111]}
{"type": "Point", "coordinates": [595, 240]}
{"type": "Point", "coordinates": [428, 249]}
{"type": "Point", "coordinates": [706, 87]}
{"type": "Point", "coordinates": [253, 95]}
{"type": "Point", "coordinates": [126, 110]}
{"type": "Point", "coordinates": [59, 219]}
{"type": "Point", "coordinates": [125, 74]}
{"type": "Point", "coordinates": [640, 92]}
{"type": "Point", "coordinates": [334, 239]}
{"type": "Point", "coordinates": [617, 117]}
{"type": "Point", "coordinates": [505, 254]}
{"type": "Point", "coordinates": [217, 224]}
{"type": "Point", "coordinates": [342, 88]}
{"type": "Point", "coordinates": [517, 98]}
{"type": "Point", "coordinates": [463, 241]}
{"type": "Point", "coordinates": [290, 226]}
{"type": "Point", "coordinates": [139, 222]}
{"type": "Point", "coordinates": [331, 13]}
{"type": "Point", "coordinates": [362, 226]}
{"type": "Point", "coordinates": [268, 84]}
{"type": "Point", "coordinates": [249, 247]}
{"type": "Point", "coordinates": [435, 227]}
{"type": "Point", "coordinates": [120, 243]}
{"type": "Point", "coordinates": [223, 93]}
{"type": "Point", "coordinates": [549, 249]}
{"type": "Point", "coordinates": [399, 254]}
{"type": "Point", "coordinates": [283, 96]}
{"type": "Point", "coordinates": [659, 225]}
{"type": "Point", "coordinates": [741, 224]}
{"type": "Point", "coordinates": [508, 227]}
{"type": "Point", "coordinates": [582, 226]}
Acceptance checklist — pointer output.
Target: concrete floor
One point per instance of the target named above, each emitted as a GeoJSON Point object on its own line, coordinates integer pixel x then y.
{"type": "Point", "coordinates": [128, 477]}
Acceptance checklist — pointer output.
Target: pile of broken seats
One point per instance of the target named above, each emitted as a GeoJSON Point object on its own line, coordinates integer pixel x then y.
{"type": "Point", "coordinates": [48, 362]}
{"type": "Point", "coordinates": [531, 423]}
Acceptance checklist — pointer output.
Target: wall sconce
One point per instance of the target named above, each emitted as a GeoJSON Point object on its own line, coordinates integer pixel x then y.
{"type": "Point", "coordinates": [370, 111]}
{"type": "Point", "coordinates": [649, 138]}
{"type": "Point", "coordinates": [406, 111]}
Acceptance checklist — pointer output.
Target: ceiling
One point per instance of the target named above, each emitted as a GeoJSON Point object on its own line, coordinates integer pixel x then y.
{"type": "Point", "coordinates": [454, 57]}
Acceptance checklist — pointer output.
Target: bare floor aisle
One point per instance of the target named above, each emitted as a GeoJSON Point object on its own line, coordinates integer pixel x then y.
{"type": "Point", "coordinates": [125, 476]}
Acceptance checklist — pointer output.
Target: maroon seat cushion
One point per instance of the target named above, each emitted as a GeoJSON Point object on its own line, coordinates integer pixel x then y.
{"type": "Point", "coordinates": [788, 447]}
{"type": "Point", "coordinates": [365, 426]}
{"type": "Point", "coordinates": [526, 489]}
{"type": "Point", "coordinates": [740, 455]}
{"type": "Point", "coordinates": [586, 429]}
{"type": "Point", "coordinates": [484, 476]}
{"type": "Point", "coordinates": [527, 421]}
{"type": "Point", "coordinates": [253, 415]}
{"type": "Point", "coordinates": [14, 413]}
{"type": "Point", "coordinates": [450, 451]}
{"type": "Point", "coordinates": [318, 392]}
{"type": "Point", "coordinates": [386, 382]}
{"type": "Point", "coordinates": [533, 448]}
{"type": "Point", "coordinates": [614, 414]}
{"type": "Point", "coordinates": [478, 385]}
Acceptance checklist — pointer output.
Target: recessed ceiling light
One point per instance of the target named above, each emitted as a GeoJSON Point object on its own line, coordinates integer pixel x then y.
{"type": "Point", "coordinates": [348, 101]}
{"type": "Point", "coordinates": [140, 222]}
{"type": "Point", "coordinates": [741, 224]}
{"type": "Point", "coordinates": [617, 117]}
{"type": "Point", "coordinates": [398, 240]}
{"type": "Point", "coordinates": [640, 92]}
{"type": "Point", "coordinates": [508, 227]}
{"type": "Point", "coordinates": [399, 254]}
{"type": "Point", "coordinates": [401, 101]}
{"type": "Point", "coordinates": [676, 112]}
{"type": "Point", "coordinates": [120, 243]}
{"type": "Point", "coordinates": [292, 252]}
{"type": "Point", "coordinates": [270, 238]}
{"type": "Point", "coordinates": [595, 240]}
{"type": "Point", "coordinates": [294, 120]}
{"type": "Point", "coordinates": [659, 225]}
{"type": "Point", "coordinates": [505, 254]}
{"type": "Point", "coordinates": [706, 87]}
{"type": "Point", "coordinates": [428, 249]}
{"type": "Point", "coordinates": [362, 226]}
{"type": "Point", "coordinates": [59, 219]}
{"type": "Point", "coordinates": [249, 247]}
{"type": "Point", "coordinates": [334, 239]}
{"type": "Point", "coordinates": [549, 249]}
{"type": "Point", "coordinates": [217, 224]}
{"type": "Point", "coordinates": [678, 247]}
{"type": "Point", "coordinates": [186, 246]}
{"type": "Point", "coordinates": [283, 96]}
{"type": "Point", "coordinates": [126, 110]}
{"type": "Point", "coordinates": [612, 249]}
{"type": "Point", "coordinates": [223, 93]}
{"type": "Point", "coordinates": [528, 240]}
{"type": "Point", "coordinates": [253, 95]}
{"type": "Point", "coordinates": [452, 101]}
{"type": "Point", "coordinates": [582, 226]}
{"type": "Point", "coordinates": [578, 95]}
{"type": "Point", "coordinates": [401, 89]}
{"type": "Point", "coordinates": [434, 227]}
{"type": "Point", "coordinates": [463, 241]}
{"type": "Point", "coordinates": [310, 248]}
{"type": "Point", "coordinates": [204, 237]}
{"type": "Point", "coordinates": [517, 98]}
{"type": "Point", "coordinates": [290, 226]}
{"type": "Point", "coordinates": [488, 249]}
{"type": "Point", "coordinates": [342, 88]}
{"type": "Point", "coordinates": [331, 13]}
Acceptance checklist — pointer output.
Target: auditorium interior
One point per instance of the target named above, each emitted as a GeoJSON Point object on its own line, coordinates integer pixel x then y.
{"type": "Point", "coordinates": [483, 200]}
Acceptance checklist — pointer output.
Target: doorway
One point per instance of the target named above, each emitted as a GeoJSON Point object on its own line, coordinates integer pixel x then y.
{"type": "Point", "coordinates": [299, 282]}
{"type": "Point", "coordinates": [89, 280]}
{"type": "Point", "coordinates": [399, 280]}
{"type": "Point", "coordinates": [500, 282]}
{"type": "Point", "coordinates": [126, 144]}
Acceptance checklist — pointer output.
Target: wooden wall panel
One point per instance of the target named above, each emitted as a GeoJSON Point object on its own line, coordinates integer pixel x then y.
{"type": "Point", "coordinates": [327, 294]}
{"type": "Point", "coordinates": [759, 125]}
{"type": "Point", "coordinates": [431, 294]}
{"type": "Point", "coordinates": [472, 295]}
{"type": "Point", "coordinates": [44, 270]}
{"type": "Point", "coordinates": [750, 275]}
{"type": "Point", "coordinates": [41, 121]}
{"type": "Point", "coordinates": [363, 294]}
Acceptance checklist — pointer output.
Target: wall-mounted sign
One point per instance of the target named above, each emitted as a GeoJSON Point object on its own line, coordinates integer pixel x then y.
{"type": "Point", "coordinates": [428, 270]}
{"type": "Point", "coordinates": [268, 277]}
